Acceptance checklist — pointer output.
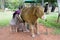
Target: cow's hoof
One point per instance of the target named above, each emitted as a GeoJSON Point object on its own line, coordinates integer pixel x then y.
{"type": "Point", "coordinates": [33, 36]}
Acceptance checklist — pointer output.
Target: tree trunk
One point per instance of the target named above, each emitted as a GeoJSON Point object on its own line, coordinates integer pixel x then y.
{"type": "Point", "coordinates": [2, 4]}
{"type": "Point", "coordinates": [42, 2]}
{"type": "Point", "coordinates": [58, 17]}
{"type": "Point", "coordinates": [58, 1]}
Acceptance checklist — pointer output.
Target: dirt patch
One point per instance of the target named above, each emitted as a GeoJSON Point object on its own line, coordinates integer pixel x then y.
{"type": "Point", "coordinates": [5, 34]}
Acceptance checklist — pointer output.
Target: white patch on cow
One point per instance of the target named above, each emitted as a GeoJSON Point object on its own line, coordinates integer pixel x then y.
{"type": "Point", "coordinates": [44, 17]}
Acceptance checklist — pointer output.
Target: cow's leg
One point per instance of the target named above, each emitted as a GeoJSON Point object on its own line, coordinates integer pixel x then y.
{"type": "Point", "coordinates": [37, 28]}
{"type": "Point", "coordinates": [25, 28]}
{"type": "Point", "coordinates": [32, 30]}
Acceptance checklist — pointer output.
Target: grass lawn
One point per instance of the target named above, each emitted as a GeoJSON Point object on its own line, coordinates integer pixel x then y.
{"type": "Point", "coordinates": [5, 18]}
{"type": "Point", "coordinates": [51, 22]}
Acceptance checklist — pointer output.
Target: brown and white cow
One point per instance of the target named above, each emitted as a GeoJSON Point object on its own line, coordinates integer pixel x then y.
{"type": "Point", "coordinates": [30, 15]}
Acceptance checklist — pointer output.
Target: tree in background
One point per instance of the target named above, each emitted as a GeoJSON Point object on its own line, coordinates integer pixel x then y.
{"type": "Point", "coordinates": [14, 4]}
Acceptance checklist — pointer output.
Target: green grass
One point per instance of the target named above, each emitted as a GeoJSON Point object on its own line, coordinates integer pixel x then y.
{"type": "Point", "coordinates": [5, 18]}
{"type": "Point", "coordinates": [51, 22]}
{"type": "Point", "coordinates": [56, 31]}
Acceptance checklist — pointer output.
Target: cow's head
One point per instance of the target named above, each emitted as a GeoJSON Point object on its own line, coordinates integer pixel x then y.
{"type": "Point", "coordinates": [39, 12]}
